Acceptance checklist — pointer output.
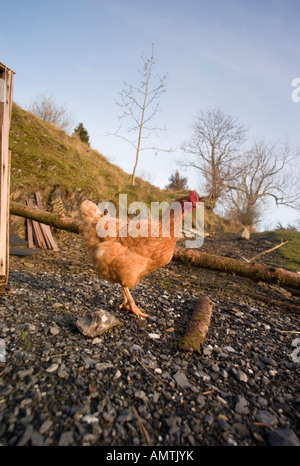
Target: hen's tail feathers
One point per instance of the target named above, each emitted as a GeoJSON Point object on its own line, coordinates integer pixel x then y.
{"type": "Point", "coordinates": [90, 214]}
{"type": "Point", "coordinates": [89, 211]}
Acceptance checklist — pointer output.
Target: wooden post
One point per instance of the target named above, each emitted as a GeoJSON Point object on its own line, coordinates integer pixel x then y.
{"type": "Point", "coordinates": [6, 92]}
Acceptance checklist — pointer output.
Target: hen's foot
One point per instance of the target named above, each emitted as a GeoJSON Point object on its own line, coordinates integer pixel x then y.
{"type": "Point", "coordinates": [130, 305]}
{"type": "Point", "coordinates": [133, 308]}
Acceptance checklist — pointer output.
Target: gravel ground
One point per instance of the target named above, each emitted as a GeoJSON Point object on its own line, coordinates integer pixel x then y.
{"type": "Point", "coordinates": [132, 386]}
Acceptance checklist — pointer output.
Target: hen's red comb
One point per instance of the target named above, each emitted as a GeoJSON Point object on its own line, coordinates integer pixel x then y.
{"type": "Point", "coordinates": [194, 196]}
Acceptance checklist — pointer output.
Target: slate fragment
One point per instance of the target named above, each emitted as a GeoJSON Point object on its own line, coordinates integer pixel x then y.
{"type": "Point", "coordinates": [96, 323]}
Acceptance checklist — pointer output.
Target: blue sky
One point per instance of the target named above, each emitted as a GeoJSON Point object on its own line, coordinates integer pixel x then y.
{"type": "Point", "coordinates": [240, 56]}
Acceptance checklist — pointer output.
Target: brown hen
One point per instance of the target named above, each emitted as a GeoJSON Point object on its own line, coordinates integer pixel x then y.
{"type": "Point", "coordinates": [120, 256]}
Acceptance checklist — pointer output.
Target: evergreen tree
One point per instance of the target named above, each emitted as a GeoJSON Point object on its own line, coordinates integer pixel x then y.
{"type": "Point", "coordinates": [82, 133]}
{"type": "Point", "coordinates": [177, 182]}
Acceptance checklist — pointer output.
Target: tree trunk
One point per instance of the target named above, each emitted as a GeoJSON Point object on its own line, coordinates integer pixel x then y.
{"type": "Point", "coordinates": [140, 132]}
{"type": "Point", "coordinates": [252, 271]}
{"type": "Point", "coordinates": [134, 168]}
{"type": "Point", "coordinates": [255, 272]}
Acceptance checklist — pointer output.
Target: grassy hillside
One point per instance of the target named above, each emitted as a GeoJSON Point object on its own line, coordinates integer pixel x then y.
{"type": "Point", "coordinates": [44, 157]}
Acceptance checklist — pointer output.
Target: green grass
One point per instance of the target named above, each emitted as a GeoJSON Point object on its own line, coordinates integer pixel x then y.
{"type": "Point", "coordinates": [290, 251]}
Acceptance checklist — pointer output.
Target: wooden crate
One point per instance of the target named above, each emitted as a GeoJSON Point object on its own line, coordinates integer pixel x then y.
{"type": "Point", "coordinates": [6, 92]}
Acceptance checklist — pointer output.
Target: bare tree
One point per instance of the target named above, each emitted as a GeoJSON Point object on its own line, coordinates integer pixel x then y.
{"type": "Point", "coordinates": [139, 105]}
{"type": "Point", "coordinates": [213, 150]}
{"type": "Point", "coordinates": [267, 172]}
{"type": "Point", "coordinates": [46, 108]}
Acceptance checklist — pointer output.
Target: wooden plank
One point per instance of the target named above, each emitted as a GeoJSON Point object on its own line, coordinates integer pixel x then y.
{"type": "Point", "coordinates": [46, 228]}
{"type": "Point", "coordinates": [38, 235]}
{"type": "Point", "coordinates": [6, 104]}
{"type": "Point", "coordinates": [2, 90]}
{"type": "Point", "coordinates": [3, 225]}
{"type": "Point", "coordinates": [2, 67]}
{"type": "Point", "coordinates": [29, 233]}
{"type": "Point", "coordinates": [6, 90]}
{"type": "Point", "coordinates": [37, 231]}
{"type": "Point", "coordinates": [3, 193]}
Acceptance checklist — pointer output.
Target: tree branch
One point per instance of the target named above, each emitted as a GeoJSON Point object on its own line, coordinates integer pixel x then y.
{"type": "Point", "coordinates": [42, 216]}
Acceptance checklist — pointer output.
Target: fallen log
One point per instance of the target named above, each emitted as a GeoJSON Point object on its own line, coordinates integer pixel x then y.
{"type": "Point", "coordinates": [42, 216]}
{"type": "Point", "coordinates": [253, 271]}
{"type": "Point", "coordinates": [197, 327]}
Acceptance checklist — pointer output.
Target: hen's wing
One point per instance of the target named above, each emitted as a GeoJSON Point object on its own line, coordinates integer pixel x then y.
{"type": "Point", "coordinates": [100, 228]}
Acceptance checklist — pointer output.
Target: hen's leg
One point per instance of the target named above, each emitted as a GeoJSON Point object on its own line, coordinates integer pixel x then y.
{"type": "Point", "coordinates": [130, 305]}
{"type": "Point", "coordinates": [125, 302]}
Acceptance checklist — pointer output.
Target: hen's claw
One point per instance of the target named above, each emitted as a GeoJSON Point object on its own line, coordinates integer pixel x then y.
{"type": "Point", "coordinates": [130, 305]}
{"type": "Point", "coordinates": [138, 312]}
